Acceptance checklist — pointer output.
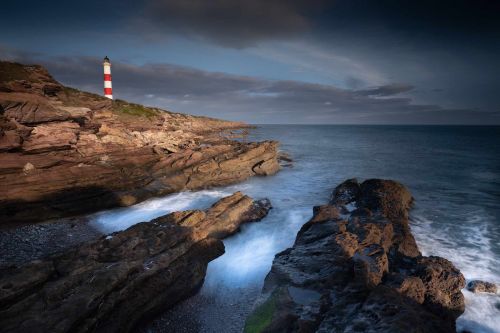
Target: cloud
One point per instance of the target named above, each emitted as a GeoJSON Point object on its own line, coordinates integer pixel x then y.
{"type": "Point", "coordinates": [329, 64]}
{"type": "Point", "coordinates": [232, 23]}
{"type": "Point", "coordinates": [386, 90]}
{"type": "Point", "coordinates": [255, 100]}
{"type": "Point", "coordinates": [247, 22]}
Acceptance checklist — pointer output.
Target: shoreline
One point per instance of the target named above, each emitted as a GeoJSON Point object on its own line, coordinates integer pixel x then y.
{"type": "Point", "coordinates": [66, 152]}
{"type": "Point", "coordinates": [84, 287]}
{"type": "Point", "coordinates": [159, 322]}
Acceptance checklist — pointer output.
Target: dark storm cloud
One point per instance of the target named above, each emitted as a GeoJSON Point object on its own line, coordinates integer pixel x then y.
{"type": "Point", "coordinates": [254, 100]}
{"type": "Point", "coordinates": [243, 23]}
{"type": "Point", "coordinates": [233, 23]}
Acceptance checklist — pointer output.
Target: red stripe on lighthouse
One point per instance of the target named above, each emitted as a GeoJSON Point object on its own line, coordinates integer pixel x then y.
{"type": "Point", "coordinates": [107, 77]}
{"type": "Point", "coordinates": [108, 91]}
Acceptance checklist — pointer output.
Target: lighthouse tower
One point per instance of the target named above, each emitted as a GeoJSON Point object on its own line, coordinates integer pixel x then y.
{"type": "Point", "coordinates": [108, 90]}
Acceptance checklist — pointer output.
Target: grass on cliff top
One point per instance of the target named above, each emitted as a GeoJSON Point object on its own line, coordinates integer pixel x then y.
{"type": "Point", "coordinates": [262, 316]}
{"type": "Point", "coordinates": [13, 71]}
{"type": "Point", "coordinates": [73, 92]}
{"type": "Point", "coordinates": [75, 97]}
{"type": "Point", "coordinates": [132, 109]}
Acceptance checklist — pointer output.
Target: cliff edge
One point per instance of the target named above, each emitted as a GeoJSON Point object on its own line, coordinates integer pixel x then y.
{"type": "Point", "coordinates": [65, 152]}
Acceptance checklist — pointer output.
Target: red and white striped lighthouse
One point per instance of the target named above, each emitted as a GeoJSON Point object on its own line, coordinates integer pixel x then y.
{"type": "Point", "coordinates": [108, 90]}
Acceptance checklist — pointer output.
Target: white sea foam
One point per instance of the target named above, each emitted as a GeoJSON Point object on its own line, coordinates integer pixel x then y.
{"type": "Point", "coordinates": [249, 254]}
{"type": "Point", "coordinates": [122, 218]}
{"type": "Point", "coordinates": [471, 252]}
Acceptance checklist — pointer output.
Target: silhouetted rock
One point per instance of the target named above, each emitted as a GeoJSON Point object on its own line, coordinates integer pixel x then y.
{"type": "Point", "coordinates": [109, 284]}
{"type": "Point", "coordinates": [355, 267]}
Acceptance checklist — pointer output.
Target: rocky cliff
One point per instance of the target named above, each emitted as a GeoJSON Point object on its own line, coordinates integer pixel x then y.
{"type": "Point", "coordinates": [109, 284]}
{"type": "Point", "coordinates": [66, 152]}
{"type": "Point", "coordinates": [355, 267]}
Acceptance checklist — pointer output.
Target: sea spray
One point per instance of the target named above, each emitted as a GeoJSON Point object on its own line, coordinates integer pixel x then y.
{"type": "Point", "coordinates": [473, 255]}
{"type": "Point", "coordinates": [455, 183]}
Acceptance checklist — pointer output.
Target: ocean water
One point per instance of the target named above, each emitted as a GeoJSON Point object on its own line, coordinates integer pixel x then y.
{"type": "Point", "coordinates": [452, 171]}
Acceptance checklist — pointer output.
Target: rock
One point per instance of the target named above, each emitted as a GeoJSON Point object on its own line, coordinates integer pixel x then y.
{"type": "Point", "coordinates": [478, 286]}
{"type": "Point", "coordinates": [51, 137]}
{"type": "Point", "coordinates": [357, 267]}
{"type": "Point", "coordinates": [51, 89]}
{"type": "Point", "coordinates": [10, 140]}
{"type": "Point", "coordinates": [410, 286]}
{"type": "Point", "coordinates": [443, 283]}
{"type": "Point", "coordinates": [111, 283]}
{"type": "Point", "coordinates": [30, 109]}
{"type": "Point", "coordinates": [129, 152]}
{"type": "Point", "coordinates": [28, 167]}
{"type": "Point", "coordinates": [346, 192]}
{"type": "Point", "coordinates": [284, 159]}
{"type": "Point", "coordinates": [266, 167]}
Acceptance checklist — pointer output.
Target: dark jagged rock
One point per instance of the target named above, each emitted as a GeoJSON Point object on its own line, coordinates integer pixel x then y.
{"type": "Point", "coordinates": [355, 267]}
{"type": "Point", "coordinates": [478, 286]}
{"type": "Point", "coordinates": [109, 284]}
{"type": "Point", "coordinates": [90, 153]}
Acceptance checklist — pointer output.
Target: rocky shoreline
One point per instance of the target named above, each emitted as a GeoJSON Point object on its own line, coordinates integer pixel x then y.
{"type": "Point", "coordinates": [355, 266]}
{"type": "Point", "coordinates": [110, 284]}
{"type": "Point", "coordinates": [65, 152]}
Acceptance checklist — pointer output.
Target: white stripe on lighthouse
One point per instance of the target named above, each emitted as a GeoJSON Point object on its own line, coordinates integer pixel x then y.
{"type": "Point", "coordinates": [107, 84]}
{"type": "Point", "coordinates": [107, 69]}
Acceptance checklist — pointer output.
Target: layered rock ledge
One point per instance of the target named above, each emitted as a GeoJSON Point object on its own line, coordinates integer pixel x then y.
{"type": "Point", "coordinates": [110, 284]}
{"type": "Point", "coordinates": [355, 267]}
{"type": "Point", "coordinates": [66, 152]}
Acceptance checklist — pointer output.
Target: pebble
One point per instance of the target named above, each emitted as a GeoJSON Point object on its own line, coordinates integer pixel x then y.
{"type": "Point", "coordinates": [30, 242]}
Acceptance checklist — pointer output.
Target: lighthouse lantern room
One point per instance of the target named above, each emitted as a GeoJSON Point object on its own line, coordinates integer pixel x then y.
{"type": "Point", "coordinates": [108, 90]}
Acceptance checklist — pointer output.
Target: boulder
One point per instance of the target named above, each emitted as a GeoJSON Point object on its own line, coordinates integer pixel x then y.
{"type": "Point", "coordinates": [478, 286]}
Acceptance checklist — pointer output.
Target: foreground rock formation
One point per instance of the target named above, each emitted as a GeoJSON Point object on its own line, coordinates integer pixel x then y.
{"type": "Point", "coordinates": [109, 284]}
{"type": "Point", "coordinates": [65, 152]}
{"type": "Point", "coordinates": [355, 267]}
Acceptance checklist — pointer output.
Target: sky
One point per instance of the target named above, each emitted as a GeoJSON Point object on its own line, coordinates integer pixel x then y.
{"type": "Point", "coordinates": [274, 61]}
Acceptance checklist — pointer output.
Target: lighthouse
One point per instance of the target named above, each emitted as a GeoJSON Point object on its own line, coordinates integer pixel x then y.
{"type": "Point", "coordinates": [108, 90]}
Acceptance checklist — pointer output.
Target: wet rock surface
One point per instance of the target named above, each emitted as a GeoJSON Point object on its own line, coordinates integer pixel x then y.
{"type": "Point", "coordinates": [112, 283]}
{"type": "Point", "coordinates": [64, 152]}
{"type": "Point", "coordinates": [355, 267]}
{"type": "Point", "coordinates": [478, 286]}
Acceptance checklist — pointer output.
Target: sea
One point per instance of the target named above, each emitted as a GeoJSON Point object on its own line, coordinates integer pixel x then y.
{"type": "Point", "coordinates": [453, 173]}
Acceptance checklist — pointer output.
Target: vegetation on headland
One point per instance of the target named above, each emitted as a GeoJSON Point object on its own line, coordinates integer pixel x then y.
{"type": "Point", "coordinates": [121, 106]}
{"type": "Point", "coordinates": [262, 316]}
{"type": "Point", "coordinates": [13, 71]}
